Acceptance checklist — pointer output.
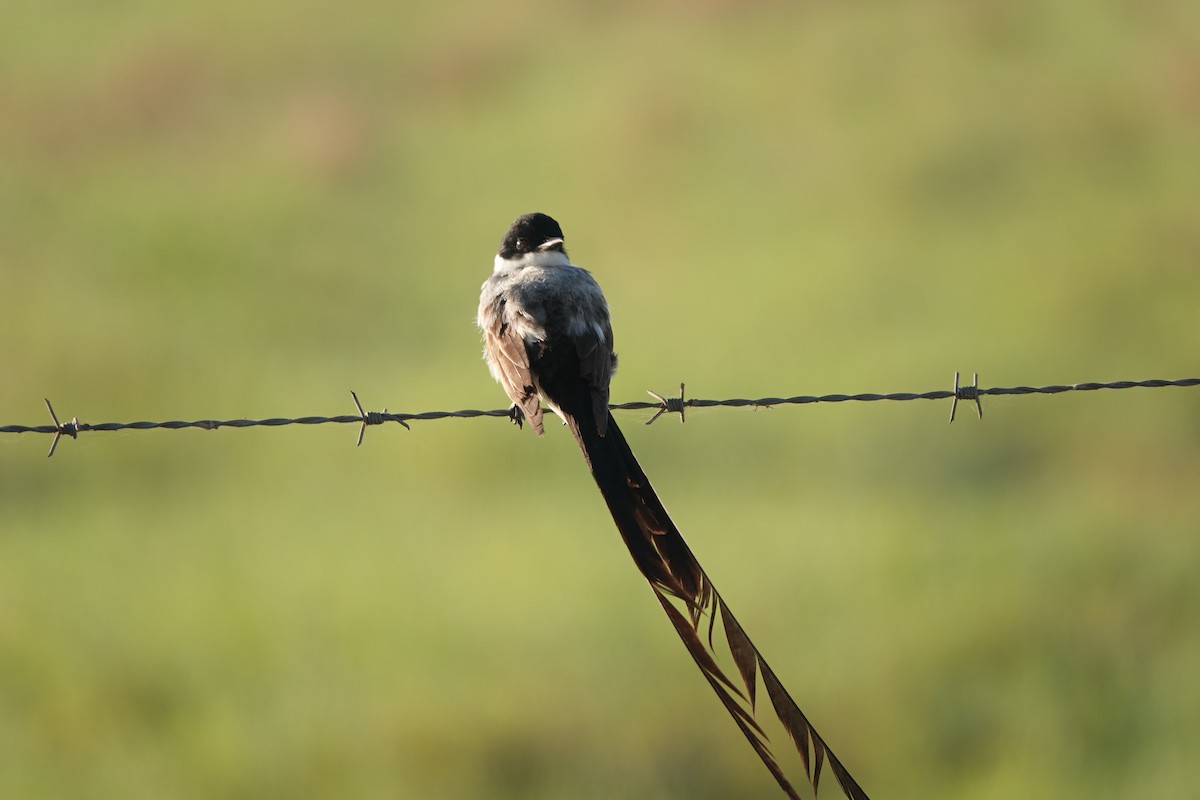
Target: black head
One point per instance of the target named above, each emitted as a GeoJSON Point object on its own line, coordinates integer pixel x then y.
{"type": "Point", "coordinates": [531, 233]}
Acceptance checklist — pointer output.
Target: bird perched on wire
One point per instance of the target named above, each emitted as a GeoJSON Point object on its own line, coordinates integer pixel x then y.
{"type": "Point", "coordinates": [547, 336]}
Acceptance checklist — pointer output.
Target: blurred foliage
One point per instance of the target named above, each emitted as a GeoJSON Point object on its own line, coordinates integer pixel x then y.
{"type": "Point", "coordinates": [221, 210]}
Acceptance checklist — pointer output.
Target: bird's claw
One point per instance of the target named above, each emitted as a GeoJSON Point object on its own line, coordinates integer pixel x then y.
{"type": "Point", "coordinates": [516, 416]}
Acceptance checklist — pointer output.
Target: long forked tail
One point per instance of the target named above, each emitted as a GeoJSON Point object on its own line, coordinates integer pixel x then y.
{"type": "Point", "coordinates": [664, 559]}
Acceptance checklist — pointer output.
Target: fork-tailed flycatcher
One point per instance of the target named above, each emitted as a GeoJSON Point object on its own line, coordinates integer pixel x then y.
{"type": "Point", "coordinates": [547, 336]}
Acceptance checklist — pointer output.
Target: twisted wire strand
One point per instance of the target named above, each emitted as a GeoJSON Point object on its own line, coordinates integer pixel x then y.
{"type": "Point", "coordinates": [661, 405]}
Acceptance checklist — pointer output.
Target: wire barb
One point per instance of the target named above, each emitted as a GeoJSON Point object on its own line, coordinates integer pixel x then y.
{"type": "Point", "coordinates": [70, 429]}
{"type": "Point", "coordinates": [966, 393]}
{"type": "Point", "coordinates": [669, 405]}
{"type": "Point", "coordinates": [372, 418]}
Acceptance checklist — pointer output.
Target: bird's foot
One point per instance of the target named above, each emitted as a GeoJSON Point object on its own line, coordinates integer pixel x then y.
{"type": "Point", "coordinates": [516, 416]}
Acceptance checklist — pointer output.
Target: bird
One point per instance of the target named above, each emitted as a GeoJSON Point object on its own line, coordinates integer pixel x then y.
{"type": "Point", "coordinates": [548, 337]}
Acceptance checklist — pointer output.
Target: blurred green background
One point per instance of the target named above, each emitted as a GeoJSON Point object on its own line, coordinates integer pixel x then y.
{"type": "Point", "coordinates": [231, 209]}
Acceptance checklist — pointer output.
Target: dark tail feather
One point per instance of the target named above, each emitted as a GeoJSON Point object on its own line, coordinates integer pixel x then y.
{"type": "Point", "coordinates": [664, 559]}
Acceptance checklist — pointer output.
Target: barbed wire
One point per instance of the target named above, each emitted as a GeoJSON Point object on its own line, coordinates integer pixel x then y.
{"type": "Point", "coordinates": [660, 404]}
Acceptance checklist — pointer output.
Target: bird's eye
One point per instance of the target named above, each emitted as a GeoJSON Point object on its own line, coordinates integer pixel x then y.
{"type": "Point", "coordinates": [522, 245]}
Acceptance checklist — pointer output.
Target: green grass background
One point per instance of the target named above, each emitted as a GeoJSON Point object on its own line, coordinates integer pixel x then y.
{"type": "Point", "coordinates": [216, 210]}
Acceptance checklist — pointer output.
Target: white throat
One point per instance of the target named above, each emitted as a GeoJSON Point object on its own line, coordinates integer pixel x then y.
{"type": "Point", "coordinates": [540, 258]}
